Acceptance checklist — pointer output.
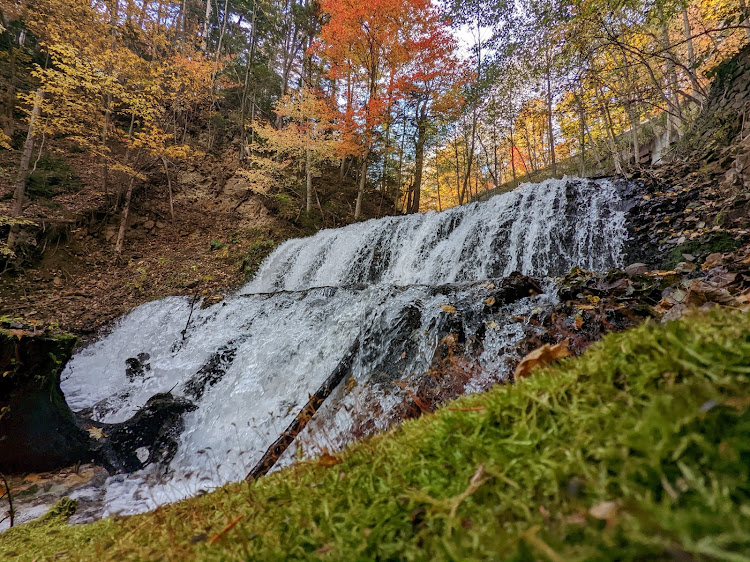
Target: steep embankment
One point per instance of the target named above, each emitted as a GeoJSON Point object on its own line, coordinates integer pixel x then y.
{"type": "Point", "coordinates": [636, 450]}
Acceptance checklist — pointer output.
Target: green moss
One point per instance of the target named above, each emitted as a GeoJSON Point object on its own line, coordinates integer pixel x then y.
{"type": "Point", "coordinates": [717, 242]}
{"type": "Point", "coordinates": [650, 430]}
{"type": "Point", "coordinates": [259, 249]}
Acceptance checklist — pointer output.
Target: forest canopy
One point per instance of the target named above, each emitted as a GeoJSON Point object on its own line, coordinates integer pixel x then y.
{"type": "Point", "coordinates": [427, 104]}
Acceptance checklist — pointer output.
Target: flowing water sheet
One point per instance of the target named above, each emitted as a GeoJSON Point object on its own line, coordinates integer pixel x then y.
{"type": "Point", "coordinates": [250, 362]}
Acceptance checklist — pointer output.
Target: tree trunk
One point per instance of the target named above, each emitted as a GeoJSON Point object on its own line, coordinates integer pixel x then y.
{"type": "Point", "coordinates": [513, 155]}
{"type": "Point", "coordinates": [437, 185]}
{"type": "Point", "coordinates": [745, 18]}
{"type": "Point", "coordinates": [697, 90]}
{"type": "Point", "coordinates": [105, 135]}
{"type": "Point", "coordinates": [550, 132]}
{"type": "Point", "coordinates": [248, 70]}
{"type": "Point", "coordinates": [582, 141]}
{"type": "Point", "coordinates": [23, 168]}
{"type": "Point", "coordinates": [309, 178]}
{"type": "Point", "coordinates": [169, 185]}
{"type": "Point", "coordinates": [218, 47]}
{"type": "Point", "coordinates": [634, 124]}
{"type": "Point", "coordinates": [470, 157]}
{"type": "Point", "coordinates": [124, 217]}
{"type": "Point", "coordinates": [204, 38]}
{"type": "Point", "coordinates": [362, 183]}
{"type": "Point", "coordinates": [418, 163]}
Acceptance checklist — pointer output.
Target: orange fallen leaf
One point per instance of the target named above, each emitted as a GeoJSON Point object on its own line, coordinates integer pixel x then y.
{"type": "Point", "coordinates": [448, 308]}
{"type": "Point", "coordinates": [328, 460]}
{"type": "Point", "coordinates": [542, 356]}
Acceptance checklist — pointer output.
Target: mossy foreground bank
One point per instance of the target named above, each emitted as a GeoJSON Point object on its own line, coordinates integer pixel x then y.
{"type": "Point", "coordinates": [640, 449]}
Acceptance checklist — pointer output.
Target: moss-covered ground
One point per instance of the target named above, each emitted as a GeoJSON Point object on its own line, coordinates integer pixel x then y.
{"type": "Point", "coordinates": [638, 450]}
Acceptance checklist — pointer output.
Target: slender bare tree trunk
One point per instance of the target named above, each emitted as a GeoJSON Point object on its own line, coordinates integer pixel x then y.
{"type": "Point", "coordinates": [437, 185]}
{"type": "Point", "coordinates": [218, 46]}
{"type": "Point", "coordinates": [550, 132]}
{"type": "Point", "coordinates": [745, 18]}
{"type": "Point", "coordinates": [23, 168]}
{"type": "Point", "coordinates": [124, 217]}
{"type": "Point", "coordinates": [248, 70]}
{"type": "Point", "coordinates": [169, 185]}
{"type": "Point", "coordinates": [309, 178]}
{"type": "Point", "coordinates": [362, 183]}
{"type": "Point", "coordinates": [513, 154]}
{"type": "Point", "coordinates": [696, 87]}
{"type": "Point", "coordinates": [418, 163]}
{"type": "Point", "coordinates": [206, 21]}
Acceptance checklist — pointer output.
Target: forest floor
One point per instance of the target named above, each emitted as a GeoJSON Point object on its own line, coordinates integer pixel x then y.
{"type": "Point", "coordinates": [627, 452]}
{"type": "Point", "coordinates": [220, 235]}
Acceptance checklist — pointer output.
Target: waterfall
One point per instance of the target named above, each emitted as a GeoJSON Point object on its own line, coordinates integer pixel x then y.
{"type": "Point", "coordinates": [398, 285]}
{"type": "Point", "coordinates": [538, 229]}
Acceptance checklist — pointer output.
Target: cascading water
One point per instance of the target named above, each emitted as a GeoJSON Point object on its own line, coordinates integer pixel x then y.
{"type": "Point", "coordinates": [397, 285]}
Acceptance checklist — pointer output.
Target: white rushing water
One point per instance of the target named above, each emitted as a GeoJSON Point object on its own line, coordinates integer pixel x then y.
{"type": "Point", "coordinates": [250, 362]}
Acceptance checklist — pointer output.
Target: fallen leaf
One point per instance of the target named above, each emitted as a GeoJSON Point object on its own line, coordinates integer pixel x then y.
{"type": "Point", "coordinates": [472, 409]}
{"type": "Point", "coordinates": [327, 460]}
{"type": "Point", "coordinates": [713, 260]}
{"type": "Point", "coordinates": [701, 292]}
{"type": "Point", "coordinates": [325, 548]}
{"type": "Point", "coordinates": [578, 322]}
{"type": "Point", "coordinates": [489, 301]}
{"type": "Point", "coordinates": [448, 308]}
{"type": "Point", "coordinates": [540, 357]}
{"type": "Point", "coordinates": [226, 529]}
{"type": "Point", "coordinates": [96, 433]}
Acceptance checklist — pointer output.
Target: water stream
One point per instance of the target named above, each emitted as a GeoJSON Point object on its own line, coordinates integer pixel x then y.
{"type": "Point", "coordinates": [399, 284]}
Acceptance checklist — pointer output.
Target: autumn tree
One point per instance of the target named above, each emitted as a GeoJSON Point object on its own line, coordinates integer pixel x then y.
{"type": "Point", "coordinates": [365, 46]}
{"type": "Point", "coordinates": [433, 85]}
{"type": "Point", "coordinates": [305, 136]}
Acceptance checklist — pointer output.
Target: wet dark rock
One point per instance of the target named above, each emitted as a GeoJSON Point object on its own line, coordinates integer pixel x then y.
{"type": "Point", "coordinates": [149, 437]}
{"type": "Point", "coordinates": [212, 371]}
{"type": "Point", "coordinates": [636, 269]}
{"type": "Point", "coordinates": [38, 432]}
{"type": "Point", "coordinates": [137, 367]}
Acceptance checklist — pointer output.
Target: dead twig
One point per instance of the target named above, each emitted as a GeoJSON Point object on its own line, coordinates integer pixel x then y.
{"type": "Point", "coordinates": [225, 530]}
{"type": "Point", "coordinates": [11, 509]}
